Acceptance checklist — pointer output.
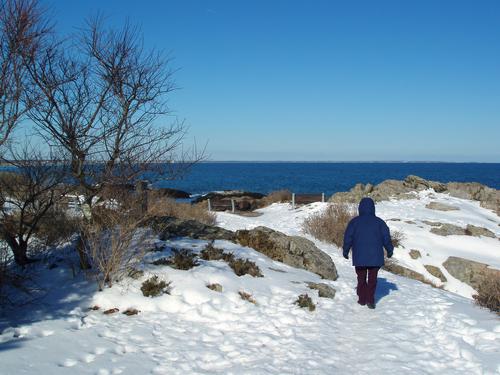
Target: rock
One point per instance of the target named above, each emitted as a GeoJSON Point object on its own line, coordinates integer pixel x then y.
{"type": "Point", "coordinates": [472, 230]}
{"type": "Point", "coordinates": [393, 267]}
{"type": "Point", "coordinates": [167, 193]}
{"type": "Point", "coordinates": [215, 287]}
{"type": "Point", "coordinates": [415, 254]}
{"type": "Point", "coordinates": [418, 183]}
{"type": "Point", "coordinates": [170, 227]}
{"type": "Point", "coordinates": [292, 250]}
{"type": "Point", "coordinates": [111, 311]}
{"type": "Point", "coordinates": [448, 230]}
{"type": "Point", "coordinates": [436, 272]}
{"type": "Point", "coordinates": [432, 223]}
{"type": "Point", "coordinates": [470, 272]}
{"type": "Point", "coordinates": [131, 311]}
{"type": "Point", "coordinates": [441, 206]}
{"type": "Point", "coordinates": [324, 290]}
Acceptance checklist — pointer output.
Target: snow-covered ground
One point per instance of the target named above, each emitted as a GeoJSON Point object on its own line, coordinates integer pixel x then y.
{"type": "Point", "coordinates": [416, 329]}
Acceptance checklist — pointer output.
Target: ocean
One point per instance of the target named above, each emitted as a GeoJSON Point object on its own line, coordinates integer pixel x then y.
{"type": "Point", "coordinates": [328, 178]}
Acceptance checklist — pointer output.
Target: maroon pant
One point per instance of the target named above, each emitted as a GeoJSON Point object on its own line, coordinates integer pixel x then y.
{"type": "Point", "coordinates": [366, 287]}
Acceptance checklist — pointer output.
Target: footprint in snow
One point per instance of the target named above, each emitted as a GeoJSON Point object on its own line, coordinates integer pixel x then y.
{"type": "Point", "coordinates": [68, 363]}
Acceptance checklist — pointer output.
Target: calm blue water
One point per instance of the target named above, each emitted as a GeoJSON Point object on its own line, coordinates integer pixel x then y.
{"type": "Point", "coordinates": [323, 177]}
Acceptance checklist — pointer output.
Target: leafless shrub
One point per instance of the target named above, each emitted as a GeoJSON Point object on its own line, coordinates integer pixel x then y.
{"type": "Point", "coordinates": [330, 225]}
{"type": "Point", "coordinates": [397, 238]}
{"type": "Point", "coordinates": [278, 196]}
{"type": "Point", "coordinates": [111, 242]}
{"type": "Point", "coordinates": [488, 294]}
{"type": "Point", "coordinates": [154, 287]}
{"type": "Point", "coordinates": [304, 301]}
{"type": "Point", "coordinates": [169, 207]}
{"type": "Point", "coordinates": [247, 297]}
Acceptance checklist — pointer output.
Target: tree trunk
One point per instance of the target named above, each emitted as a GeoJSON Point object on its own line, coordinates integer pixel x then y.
{"type": "Point", "coordinates": [19, 249]}
{"type": "Point", "coordinates": [80, 248]}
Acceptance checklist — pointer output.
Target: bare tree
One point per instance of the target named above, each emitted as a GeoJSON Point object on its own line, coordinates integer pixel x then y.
{"type": "Point", "coordinates": [23, 28]}
{"type": "Point", "coordinates": [105, 106]}
{"type": "Point", "coordinates": [27, 193]}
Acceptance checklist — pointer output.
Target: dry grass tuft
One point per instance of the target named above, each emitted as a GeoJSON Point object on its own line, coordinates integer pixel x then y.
{"type": "Point", "coordinates": [279, 196]}
{"type": "Point", "coordinates": [169, 207]}
{"type": "Point", "coordinates": [154, 287]}
{"type": "Point", "coordinates": [183, 259]}
{"type": "Point", "coordinates": [304, 301]}
{"type": "Point", "coordinates": [330, 225]}
{"type": "Point", "coordinates": [245, 267]}
{"type": "Point", "coordinates": [488, 294]}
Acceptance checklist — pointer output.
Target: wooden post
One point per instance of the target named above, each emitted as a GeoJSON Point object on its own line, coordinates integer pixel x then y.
{"type": "Point", "coordinates": [323, 197]}
{"type": "Point", "coordinates": [209, 205]}
{"type": "Point", "coordinates": [293, 201]}
{"type": "Point", "coordinates": [232, 206]}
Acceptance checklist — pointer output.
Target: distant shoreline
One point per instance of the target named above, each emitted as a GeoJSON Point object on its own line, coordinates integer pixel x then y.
{"type": "Point", "coordinates": [347, 162]}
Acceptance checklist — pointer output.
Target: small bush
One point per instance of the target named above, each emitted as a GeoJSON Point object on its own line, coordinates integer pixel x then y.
{"type": "Point", "coordinates": [330, 225]}
{"type": "Point", "coordinates": [169, 207]}
{"type": "Point", "coordinates": [279, 196]}
{"type": "Point", "coordinates": [488, 294]}
{"type": "Point", "coordinates": [245, 267]}
{"type": "Point", "coordinates": [247, 297]}
{"type": "Point", "coordinates": [397, 237]}
{"type": "Point", "coordinates": [183, 259]}
{"type": "Point", "coordinates": [154, 287]}
{"type": "Point", "coordinates": [304, 301]}
{"type": "Point", "coordinates": [57, 227]}
{"type": "Point", "coordinates": [211, 253]}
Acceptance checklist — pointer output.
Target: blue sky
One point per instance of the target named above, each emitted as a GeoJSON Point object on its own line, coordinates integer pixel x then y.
{"type": "Point", "coordinates": [326, 80]}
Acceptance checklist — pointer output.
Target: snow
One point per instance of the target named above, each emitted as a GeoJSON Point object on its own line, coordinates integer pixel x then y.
{"type": "Point", "coordinates": [416, 329]}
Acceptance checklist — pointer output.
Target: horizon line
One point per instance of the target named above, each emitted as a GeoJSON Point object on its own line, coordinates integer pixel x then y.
{"type": "Point", "coordinates": [353, 161]}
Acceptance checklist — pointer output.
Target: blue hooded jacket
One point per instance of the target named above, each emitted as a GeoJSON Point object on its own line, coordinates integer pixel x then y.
{"type": "Point", "coordinates": [367, 235]}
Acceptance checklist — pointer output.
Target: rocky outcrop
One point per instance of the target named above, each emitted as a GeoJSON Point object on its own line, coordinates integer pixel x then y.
{"type": "Point", "coordinates": [489, 197]}
{"type": "Point", "coordinates": [324, 290]}
{"type": "Point", "coordinates": [243, 200]}
{"type": "Point", "coordinates": [295, 251]}
{"type": "Point", "coordinates": [436, 272]}
{"type": "Point", "coordinates": [470, 272]}
{"type": "Point", "coordinates": [170, 227]}
{"type": "Point", "coordinates": [438, 206]}
{"type": "Point", "coordinates": [159, 193]}
{"type": "Point", "coordinates": [405, 189]}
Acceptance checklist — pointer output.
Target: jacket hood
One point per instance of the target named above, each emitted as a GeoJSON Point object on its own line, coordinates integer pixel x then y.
{"type": "Point", "coordinates": [366, 207]}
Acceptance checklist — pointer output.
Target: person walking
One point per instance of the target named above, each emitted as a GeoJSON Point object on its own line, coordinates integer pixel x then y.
{"type": "Point", "coordinates": [367, 235]}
